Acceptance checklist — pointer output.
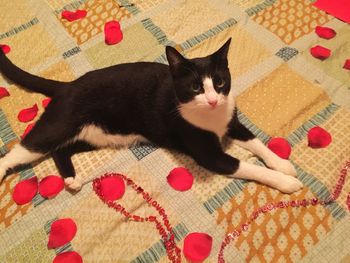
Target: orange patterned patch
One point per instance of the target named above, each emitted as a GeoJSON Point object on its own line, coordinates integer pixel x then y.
{"type": "Point", "coordinates": [9, 210]}
{"type": "Point", "coordinates": [291, 19]}
{"type": "Point", "coordinates": [99, 12]}
{"type": "Point", "coordinates": [284, 235]}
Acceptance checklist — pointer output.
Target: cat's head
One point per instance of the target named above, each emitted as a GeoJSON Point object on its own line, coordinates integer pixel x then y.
{"type": "Point", "coordinates": [202, 82]}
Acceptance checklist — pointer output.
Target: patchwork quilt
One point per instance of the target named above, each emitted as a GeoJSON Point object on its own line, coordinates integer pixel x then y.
{"type": "Point", "coordinates": [281, 91]}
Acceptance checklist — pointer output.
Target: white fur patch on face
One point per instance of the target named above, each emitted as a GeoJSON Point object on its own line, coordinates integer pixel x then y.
{"type": "Point", "coordinates": [201, 114]}
{"type": "Point", "coordinates": [96, 136]}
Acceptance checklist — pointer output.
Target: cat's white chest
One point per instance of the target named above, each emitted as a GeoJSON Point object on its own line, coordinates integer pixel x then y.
{"type": "Point", "coordinates": [213, 120]}
{"type": "Point", "coordinates": [96, 136]}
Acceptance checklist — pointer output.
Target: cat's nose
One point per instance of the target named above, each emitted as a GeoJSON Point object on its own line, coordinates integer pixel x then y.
{"type": "Point", "coordinates": [213, 103]}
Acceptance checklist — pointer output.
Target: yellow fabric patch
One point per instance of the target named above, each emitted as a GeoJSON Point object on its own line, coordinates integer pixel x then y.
{"type": "Point", "coordinates": [145, 5]}
{"type": "Point", "coordinates": [138, 45]}
{"type": "Point", "coordinates": [31, 47]}
{"type": "Point", "coordinates": [291, 19]}
{"type": "Point", "coordinates": [282, 102]}
{"type": "Point", "coordinates": [241, 58]}
{"type": "Point", "coordinates": [10, 18]}
{"type": "Point", "coordinates": [182, 22]}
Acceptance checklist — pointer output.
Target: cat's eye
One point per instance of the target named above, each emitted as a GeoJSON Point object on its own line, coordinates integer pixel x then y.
{"type": "Point", "coordinates": [220, 83]}
{"type": "Point", "coordinates": [196, 87]}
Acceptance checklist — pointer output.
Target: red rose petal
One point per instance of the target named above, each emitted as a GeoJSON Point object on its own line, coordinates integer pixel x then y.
{"type": "Point", "coordinates": [50, 186]}
{"type": "Point", "coordinates": [5, 48]}
{"type": "Point", "coordinates": [62, 231]}
{"type": "Point", "coordinates": [27, 130]}
{"type": "Point", "coordinates": [325, 32]}
{"type": "Point", "coordinates": [338, 8]}
{"type": "Point", "coordinates": [180, 179]}
{"type": "Point", "coordinates": [197, 246]}
{"type": "Point", "coordinates": [113, 34]}
{"type": "Point", "coordinates": [320, 52]}
{"type": "Point", "coordinates": [68, 257]}
{"type": "Point", "coordinates": [25, 191]}
{"type": "Point", "coordinates": [112, 188]}
{"type": "Point", "coordinates": [280, 146]}
{"type": "Point", "coordinates": [4, 92]}
{"type": "Point", "coordinates": [28, 114]}
{"type": "Point", "coordinates": [347, 64]}
{"type": "Point", "coordinates": [46, 102]}
{"type": "Point", "coordinates": [72, 16]}
{"type": "Point", "coordinates": [318, 138]}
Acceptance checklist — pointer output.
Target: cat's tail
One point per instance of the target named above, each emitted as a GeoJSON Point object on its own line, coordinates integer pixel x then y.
{"type": "Point", "coordinates": [31, 82]}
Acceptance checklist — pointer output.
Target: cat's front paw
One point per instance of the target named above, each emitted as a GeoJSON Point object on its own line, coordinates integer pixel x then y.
{"type": "Point", "coordinates": [73, 183]}
{"type": "Point", "coordinates": [287, 184]}
{"type": "Point", "coordinates": [283, 166]}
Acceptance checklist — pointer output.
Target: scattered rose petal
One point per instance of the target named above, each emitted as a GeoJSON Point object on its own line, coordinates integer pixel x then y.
{"type": "Point", "coordinates": [280, 146]}
{"type": "Point", "coordinates": [318, 138]}
{"type": "Point", "coordinates": [325, 32]}
{"type": "Point", "coordinates": [320, 52]}
{"type": "Point", "coordinates": [347, 64]}
{"type": "Point", "coordinates": [27, 130]}
{"type": "Point", "coordinates": [4, 92]}
{"type": "Point", "coordinates": [113, 34]}
{"type": "Point", "coordinates": [62, 231]}
{"type": "Point", "coordinates": [28, 114]}
{"type": "Point", "coordinates": [50, 186]}
{"type": "Point", "coordinates": [5, 48]}
{"type": "Point", "coordinates": [68, 257]}
{"type": "Point", "coordinates": [25, 191]}
{"type": "Point", "coordinates": [72, 16]}
{"type": "Point", "coordinates": [180, 179]}
{"type": "Point", "coordinates": [112, 188]}
{"type": "Point", "coordinates": [197, 246]}
{"type": "Point", "coordinates": [338, 8]}
{"type": "Point", "coordinates": [46, 102]}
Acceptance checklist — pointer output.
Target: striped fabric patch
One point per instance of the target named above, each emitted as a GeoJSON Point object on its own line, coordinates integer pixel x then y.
{"type": "Point", "coordinates": [19, 29]}
{"type": "Point", "coordinates": [206, 35]}
{"type": "Point", "coordinates": [321, 192]}
{"type": "Point", "coordinates": [71, 6]}
{"type": "Point", "coordinates": [252, 127]}
{"type": "Point", "coordinates": [6, 133]}
{"type": "Point", "coordinates": [71, 52]}
{"type": "Point", "coordinates": [157, 251]}
{"type": "Point", "coordinates": [67, 247]}
{"type": "Point", "coordinates": [156, 32]}
{"type": "Point", "coordinates": [220, 198]}
{"type": "Point", "coordinates": [129, 6]}
{"type": "Point", "coordinates": [300, 133]}
{"type": "Point", "coordinates": [259, 7]}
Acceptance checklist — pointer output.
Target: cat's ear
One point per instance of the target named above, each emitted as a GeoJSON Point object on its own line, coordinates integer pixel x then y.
{"type": "Point", "coordinates": [220, 56]}
{"type": "Point", "coordinates": [175, 59]}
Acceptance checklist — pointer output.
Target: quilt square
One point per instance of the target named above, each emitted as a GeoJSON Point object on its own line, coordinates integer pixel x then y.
{"type": "Point", "coordinates": [281, 102]}
{"type": "Point", "coordinates": [186, 17]}
{"type": "Point", "coordinates": [241, 57]}
{"type": "Point", "coordinates": [138, 45]}
{"type": "Point", "coordinates": [291, 19]}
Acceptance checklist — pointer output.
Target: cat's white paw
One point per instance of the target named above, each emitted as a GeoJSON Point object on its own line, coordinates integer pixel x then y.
{"type": "Point", "coordinates": [73, 183]}
{"type": "Point", "coordinates": [286, 184]}
{"type": "Point", "coordinates": [283, 166]}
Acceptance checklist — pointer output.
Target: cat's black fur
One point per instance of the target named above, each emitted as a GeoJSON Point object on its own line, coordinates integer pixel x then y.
{"type": "Point", "coordinates": [135, 98]}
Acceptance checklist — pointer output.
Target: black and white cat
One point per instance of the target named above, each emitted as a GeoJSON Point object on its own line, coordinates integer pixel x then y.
{"type": "Point", "coordinates": [187, 106]}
